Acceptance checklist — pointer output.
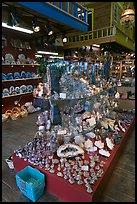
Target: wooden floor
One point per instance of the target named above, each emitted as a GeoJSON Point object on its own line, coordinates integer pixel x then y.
{"type": "Point", "coordinates": [121, 186]}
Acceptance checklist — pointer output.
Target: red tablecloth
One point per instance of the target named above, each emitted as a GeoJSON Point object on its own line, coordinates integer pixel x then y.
{"type": "Point", "coordinates": [73, 192]}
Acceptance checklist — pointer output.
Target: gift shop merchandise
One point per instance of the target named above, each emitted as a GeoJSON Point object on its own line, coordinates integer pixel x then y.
{"type": "Point", "coordinates": [68, 111]}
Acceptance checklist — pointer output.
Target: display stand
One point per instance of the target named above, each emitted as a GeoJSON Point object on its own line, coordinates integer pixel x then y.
{"type": "Point", "coordinates": [9, 102]}
{"type": "Point", "coordinates": [73, 192]}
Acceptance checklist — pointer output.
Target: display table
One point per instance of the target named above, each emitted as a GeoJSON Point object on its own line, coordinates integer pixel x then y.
{"type": "Point", "coordinates": [73, 192]}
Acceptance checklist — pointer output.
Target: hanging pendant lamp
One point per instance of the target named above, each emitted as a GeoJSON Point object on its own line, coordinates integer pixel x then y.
{"type": "Point", "coordinates": [127, 17]}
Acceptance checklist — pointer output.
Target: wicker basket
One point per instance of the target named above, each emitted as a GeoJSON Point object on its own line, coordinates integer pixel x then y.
{"type": "Point", "coordinates": [15, 113]}
{"type": "Point", "coordinates": [4, 117]}
{"type": "Point", "coordinates": [8, 113]}
{"type": "Point", "coordinates": [23, 111]}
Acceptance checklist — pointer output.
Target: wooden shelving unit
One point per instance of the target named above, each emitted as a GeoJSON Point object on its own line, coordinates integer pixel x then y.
{"type": "Point", "coordinates": [8, 102]}
{"type": "Point", "coordinates": [12, 65]}
{"type": "Point", "coordinates": [23, 79]}
{"type": "Point", "coordinates": [121, 67]}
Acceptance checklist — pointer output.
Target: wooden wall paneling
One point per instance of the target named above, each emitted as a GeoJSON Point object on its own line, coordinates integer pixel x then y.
{"type": "Point", "coordinates": [101, 12]}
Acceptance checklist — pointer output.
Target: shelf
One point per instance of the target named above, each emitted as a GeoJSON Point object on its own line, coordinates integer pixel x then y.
{"type": "Point", "coordinates": [118, 61]}
{"type": "Point", "coordinates": [126, 65]}
{"type": "Point", "coordinates": [115, 72]}
{"type": "Point", "coordinates": [17, 95]}
{"type": "Point", "coordinates": [12, 65]}
{"type": "Point", "coordinates": [23, 79]}
{"type": "Point", "coordinates": [129, 60]}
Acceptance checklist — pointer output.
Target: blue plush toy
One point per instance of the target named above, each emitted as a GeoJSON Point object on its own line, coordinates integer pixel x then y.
{"type": "Point", "coordinates": [17, 89]}
{"type": "Point", "coordinates": [28, 75]}
{"type": "Point", "coordinates": [4, 77]}
{"type": "Point", "coordinates": [16, 75]}
{"type": "Point", "coordinates": [29, 88]}
{"type": "Point", "coordinates": [23, 88]}
{"type": "Point", "coordinates": [11, 89]}
{"type": "Point", "coordinates": [5, 92]}
{"type": "Point", "coordinates": [9, 76]}
{"type": "Point", "coordinates": [23, 74]}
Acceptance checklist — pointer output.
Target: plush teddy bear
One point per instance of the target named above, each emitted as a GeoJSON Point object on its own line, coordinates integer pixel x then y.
{"type": "Point", "coordinates": [30, 107]}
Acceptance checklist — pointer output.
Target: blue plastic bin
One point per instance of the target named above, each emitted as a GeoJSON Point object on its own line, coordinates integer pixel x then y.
{"type": "Point", "coordinates": [31, 182]}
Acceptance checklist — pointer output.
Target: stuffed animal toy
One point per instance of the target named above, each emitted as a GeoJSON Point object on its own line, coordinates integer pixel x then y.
{"type": "Point", "coordinates": [30, 107]}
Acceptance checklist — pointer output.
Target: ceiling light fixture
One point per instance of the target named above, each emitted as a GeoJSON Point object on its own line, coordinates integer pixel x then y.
{"type": "Point", "coordinates": [35, 26]}
{"type": "Point", "coordinates": [127, 17]}
{"type": "Point", "coordinates": [36, 29]}
{"type": "Point", "coordinates": [64, 40]}
{"type": "Point", "coordinates": [95, 45]}
{"type": "Point", "coordinates": [38, 56]}
{"type": "Point", "coordinates": [50, 32]}
{"type": "Point", "coordinates": [17, 28]}
{"type": "Point", "coordinates": [47, 53]}
{"type": "Point", "coordinates": [54, 57]}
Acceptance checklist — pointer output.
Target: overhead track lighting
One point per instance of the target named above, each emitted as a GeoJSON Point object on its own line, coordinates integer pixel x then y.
{"type": "Point", "coordinates": [64, 40]}
{"type": "Point", "coordinates": [24, 30]}
{"type": "Point", "coordinates": [35, 26]}
{"type": "Point", "coordinates": [56, 57]}
{"type": "Point", "coordinates": [38, 56]}
{"type": "Point", "coordinates": [48, 30]}
{"type": "Point", "coordinates": [47, 53]}
{"type": "Point", "coordinates": [95, 45]}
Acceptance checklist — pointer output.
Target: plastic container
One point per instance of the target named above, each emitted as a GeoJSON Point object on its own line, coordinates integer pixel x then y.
{"type": "Point", "coordinates": [31, 183]}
